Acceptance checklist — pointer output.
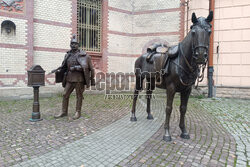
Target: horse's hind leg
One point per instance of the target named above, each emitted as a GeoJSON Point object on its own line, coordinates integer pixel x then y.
{"type": "Point", "coordinates": [183, 109]}
{"type": "Point", "coordinates": [133, 117]}
{"type": "Point", "coordinates": [138, 87]}
{"type": "Point", "coordinates": [170, 97]}
{"type": "Point", "coordinates": [150, 88]}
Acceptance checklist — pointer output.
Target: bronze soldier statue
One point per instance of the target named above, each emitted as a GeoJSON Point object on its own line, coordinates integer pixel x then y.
{"type": "Point", "coordinates": [76, 72]}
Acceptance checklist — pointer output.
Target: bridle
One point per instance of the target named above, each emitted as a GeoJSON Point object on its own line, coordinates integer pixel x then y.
{"type": "Point", "coordinates": [199, 69]}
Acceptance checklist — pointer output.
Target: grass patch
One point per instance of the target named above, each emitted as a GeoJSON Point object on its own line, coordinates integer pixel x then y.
{"type": "Point", "coordinates": [91, 102]}
{"type": "Point", "coordinates": [198, 96]}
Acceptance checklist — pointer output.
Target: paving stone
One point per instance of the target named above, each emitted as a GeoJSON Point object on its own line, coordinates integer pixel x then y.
{"type": "Point", "coordinates": [137, 133]}
{"type": "Point", "coordinates": [234, 115]}
{"type": "Point", "coordinates": [208, 139]}
{"type": "Point", "coordinates": [215, 126]}
{"type": "Point", "coordinates": [30, 140]}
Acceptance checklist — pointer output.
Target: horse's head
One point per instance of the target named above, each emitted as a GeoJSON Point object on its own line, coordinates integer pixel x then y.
{"type": "Point", "coordinates": [201, 30]}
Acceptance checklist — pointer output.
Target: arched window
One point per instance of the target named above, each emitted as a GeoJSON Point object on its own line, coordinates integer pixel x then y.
{"type": "Point", "coordinates": [8, 27]}
{"type": "Point", "coordinates": [89, 24]}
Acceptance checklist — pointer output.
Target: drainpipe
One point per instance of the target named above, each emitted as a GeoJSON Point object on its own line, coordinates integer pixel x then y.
{"type": "Point", "coordinates": [210, 59]}
{"type": "Point", "coordinates": [187, 4]}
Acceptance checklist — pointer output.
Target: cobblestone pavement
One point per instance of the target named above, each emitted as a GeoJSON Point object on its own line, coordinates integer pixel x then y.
{"type": "Point", "coordinates": [106, 147]}
{"type": "Point", "coordinates": [210, 143]}
{"type": "Point", "coordinates": [21, 139]}
{"type": "Point", "coordinates": [215, 126]}
{"type": "Point", "coordinates": [234, 115]}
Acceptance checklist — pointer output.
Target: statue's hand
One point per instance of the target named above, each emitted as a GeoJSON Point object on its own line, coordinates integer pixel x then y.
{"type": "Point", "coordinates": [78, 68]}
{"type": "Point", "coordinates": [72, 68]}
{"type": "Point", "coordinates": [56, 70]}
{"type": "Point", "coordinates": [53, 71]}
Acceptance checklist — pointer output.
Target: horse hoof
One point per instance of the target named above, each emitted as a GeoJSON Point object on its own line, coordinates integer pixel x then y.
{"type": "Point", "coordinates": [150, 117]}
{"type": "Point", "coordinates": [133, 119]}
{"type": "Point", "coordinates": [167, 138]}
{"type": "Point", "coordinates": [185, 136]}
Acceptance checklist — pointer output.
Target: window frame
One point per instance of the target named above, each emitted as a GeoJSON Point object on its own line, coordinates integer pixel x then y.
{"type": "Point", "coordinates": [90, 25]}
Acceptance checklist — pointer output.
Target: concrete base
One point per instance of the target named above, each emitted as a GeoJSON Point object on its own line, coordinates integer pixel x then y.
{"type": "Point", "coordinates": [18, 93]}
{"type": "Point", "coordinates": [228, 92]}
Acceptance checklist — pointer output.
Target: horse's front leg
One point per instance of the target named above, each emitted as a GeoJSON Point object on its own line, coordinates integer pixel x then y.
{"type": "Point", "coordinates": [183, 109]}
{"type": "Point", "coordinates": [170, 97]}
{"type": "Point", "coordinates": [138, 84]}
{"type": "Point", "coordinates": [150, 88]}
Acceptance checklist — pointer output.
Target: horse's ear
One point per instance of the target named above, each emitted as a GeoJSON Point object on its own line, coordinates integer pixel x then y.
{"type": "Point", "coordinates": [194, 18]}
{"type": "Point", "coordinates": [210, 17]}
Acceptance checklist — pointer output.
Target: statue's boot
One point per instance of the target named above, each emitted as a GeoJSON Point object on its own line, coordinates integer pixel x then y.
{"type": "Point", "coordinates": [62, 114]}
{"type": "Point", "coordinates": [77, 115]}
{"type": "Point", "coordinates": [78, 102]}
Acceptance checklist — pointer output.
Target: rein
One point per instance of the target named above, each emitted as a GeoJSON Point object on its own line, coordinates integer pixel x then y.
{"type": "Point", "coordinates": [201, 77]}
{"type": "Point", "coordinates": [185, 59]}
{"type": "Point", "coordinates": [201, 68]}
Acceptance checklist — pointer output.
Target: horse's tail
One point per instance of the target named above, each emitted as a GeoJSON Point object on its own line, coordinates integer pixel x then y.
{"type": "Point", "coordinates": [138, 66]}
{"type": "Point", "coordinates": [138, 73]}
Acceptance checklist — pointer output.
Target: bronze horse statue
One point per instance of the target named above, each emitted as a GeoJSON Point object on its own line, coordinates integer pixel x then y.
{"type": "Point", "coordinates": [178, 69]}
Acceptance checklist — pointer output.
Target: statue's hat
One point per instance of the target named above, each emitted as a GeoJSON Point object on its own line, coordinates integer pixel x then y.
{"type": "Point", "coordinates": [74, 38]}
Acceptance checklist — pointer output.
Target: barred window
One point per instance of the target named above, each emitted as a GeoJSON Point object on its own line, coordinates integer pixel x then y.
{"type": "Point", "coordinates": [89, 24]}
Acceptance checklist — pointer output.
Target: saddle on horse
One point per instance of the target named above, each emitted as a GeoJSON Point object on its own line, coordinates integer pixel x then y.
{"type": "Point", "coordinates": [166, 52]}
{"type": "Point", "coordinates": [155, 48]}
{"type": "Point", "coordinates": [171, 53]}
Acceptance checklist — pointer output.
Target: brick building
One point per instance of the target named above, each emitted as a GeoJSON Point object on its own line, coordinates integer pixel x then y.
{"type": "Point", "coordinates": [115, 33]}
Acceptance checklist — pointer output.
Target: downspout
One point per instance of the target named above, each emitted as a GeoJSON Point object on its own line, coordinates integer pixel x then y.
{"type": "Point", "coordinates": [187, 4]}
{"type": "Point", "coordinates": [210, 59]}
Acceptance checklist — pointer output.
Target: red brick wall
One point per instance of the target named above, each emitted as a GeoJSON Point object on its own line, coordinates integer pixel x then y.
{"type": "Point", "coordinates": [27, 16]}
{"type": "Point", "coordinates": [100, 60]}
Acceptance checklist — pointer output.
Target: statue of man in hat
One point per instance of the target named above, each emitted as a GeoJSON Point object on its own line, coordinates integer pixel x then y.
{"type": "Point", "coordinates": [76, 72]}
